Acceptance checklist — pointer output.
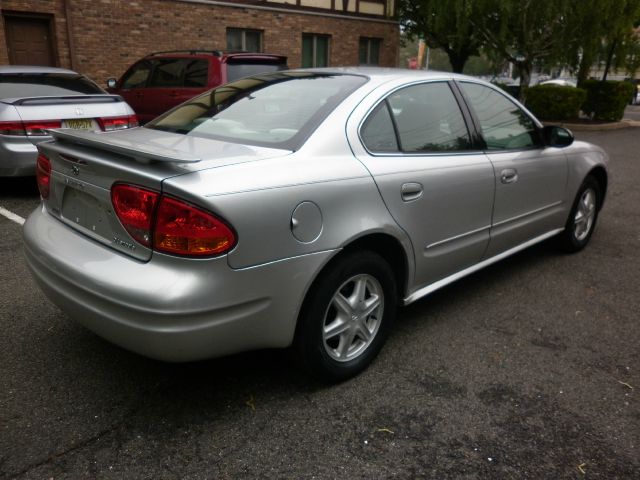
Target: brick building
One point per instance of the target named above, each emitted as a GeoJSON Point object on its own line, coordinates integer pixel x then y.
{"type": "Point", "coordinates": [100, 38]}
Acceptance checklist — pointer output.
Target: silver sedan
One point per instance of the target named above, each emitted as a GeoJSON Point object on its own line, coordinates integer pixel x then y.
{"type": "Point", "coordinates": [36, 99]}
{"type": "Point", "coordinates": [299, 209]}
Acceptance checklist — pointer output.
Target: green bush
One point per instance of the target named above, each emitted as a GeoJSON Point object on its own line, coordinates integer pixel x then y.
{"type": "Point", "coordinates": [606, 101]}
{"type": "Point", "coordinates": [555, 102]}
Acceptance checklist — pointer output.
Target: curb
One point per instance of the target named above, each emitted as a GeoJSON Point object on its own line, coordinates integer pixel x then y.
{"type": "Point", "coordinates": [597, 127]}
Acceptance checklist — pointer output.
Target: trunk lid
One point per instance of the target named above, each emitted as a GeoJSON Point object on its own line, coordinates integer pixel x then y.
{"type": "Point", "coordinates": [76, 111]}
{"type": "Point", "coordinates": [85, 165]}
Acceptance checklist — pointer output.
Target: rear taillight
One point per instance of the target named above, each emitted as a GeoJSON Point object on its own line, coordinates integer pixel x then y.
{"type": "Point", "coordinates": [32, 128]}
{"type": "Point", "coordinates": [12, 128]}
{"type": "Point", "coordinates": [36, 129]}
{"type": "Point", "coordinates": [135, 207]}
{"type": "Point", "coordinates": [170, 225]}
{"type": "Point", "coordinates": [183, 229]}
{"type": "Point", "coordinates": [43, 175]}
{"type": "Point", "coordinates": [108, 124]}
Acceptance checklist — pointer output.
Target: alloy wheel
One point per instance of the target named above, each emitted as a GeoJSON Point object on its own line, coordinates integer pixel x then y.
{"type": "Point", "coordinates": [585, 215]}
{"type": "Point", "coordinates": [353, 317]}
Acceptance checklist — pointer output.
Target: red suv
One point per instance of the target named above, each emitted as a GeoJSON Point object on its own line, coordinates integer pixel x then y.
{"type": "Point", "coordinates": [162, 80]}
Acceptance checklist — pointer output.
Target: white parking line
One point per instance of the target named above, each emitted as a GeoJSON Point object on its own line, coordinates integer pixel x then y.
{"type": "Point", "coordinates": [11, 216]}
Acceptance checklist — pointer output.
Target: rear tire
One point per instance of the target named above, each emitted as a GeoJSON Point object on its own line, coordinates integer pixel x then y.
{"type": "Point", "coordinates": [346, 316]}
{"type": "Point", "coordinates": [583, 216]}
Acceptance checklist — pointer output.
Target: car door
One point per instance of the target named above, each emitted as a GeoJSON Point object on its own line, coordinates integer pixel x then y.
{"type": "Point", "coordinates": [530, 177]}
{"type": "Point", "coordinates": [165, 85]}
{"type": "Point", "coordinates": [132, 87]}
{"type": "Point", "coordinates": [437, 185]}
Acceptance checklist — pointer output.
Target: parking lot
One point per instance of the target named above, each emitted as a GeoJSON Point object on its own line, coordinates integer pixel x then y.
{"type": "Point", "coordinates": [527, 369]}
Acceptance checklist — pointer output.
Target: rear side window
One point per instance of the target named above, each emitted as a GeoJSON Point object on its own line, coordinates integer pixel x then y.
{"type": "Point", "coordinates": [168, 73]}
{"type": "Point", "coordinates": [46, 84]}
{"type": "Point", "coordinates": [237, 69]}
{"type": "Point", "coordinates": [377, 131]}
{"type": "Point", "coordinates": [429, 119]}
{"type": "Point", "coordinates": [505, 126]}
{"type": "Point", "coordinates": [195, 73]}
{"type": "Point", "coordinates": [426, 117]}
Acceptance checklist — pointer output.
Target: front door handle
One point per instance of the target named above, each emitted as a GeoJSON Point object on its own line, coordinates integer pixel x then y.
{"type": "Point", "coordinates": [411, 191]}
{"type": "Point", "coordinates": [509, 175]}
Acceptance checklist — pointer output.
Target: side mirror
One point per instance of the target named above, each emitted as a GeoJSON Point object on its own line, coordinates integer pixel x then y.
{"type": "Point", "coordinates": [555, 136]}
{"type": "Point", "coordinates": [111, 82]}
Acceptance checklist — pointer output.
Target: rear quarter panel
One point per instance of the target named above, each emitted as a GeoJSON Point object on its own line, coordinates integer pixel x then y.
{"type": "Point", "coordinates": [258, 200]}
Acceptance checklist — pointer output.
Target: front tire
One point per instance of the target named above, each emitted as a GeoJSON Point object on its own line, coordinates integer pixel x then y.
{"type": "Point", "coordinates": [583, 216]}
{"type": "Point", "coordinates": [346, 317]}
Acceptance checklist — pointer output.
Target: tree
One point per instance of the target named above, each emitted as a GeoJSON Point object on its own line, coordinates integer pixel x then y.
{"type": "Point", "coordinates": [620, 35]}
{"type": "Point", "coordinates": [602, 29]}
{"type": "Point", "coordinates": [524, 32]}
{"type": "Point", "coordinates": [588, 21]}
{"type": "Point", "coordinates": [444, 24]}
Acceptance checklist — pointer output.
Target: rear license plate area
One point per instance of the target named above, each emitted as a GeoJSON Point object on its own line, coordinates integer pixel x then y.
{"type": "Point", "coordinates": [80, 124]}
{"type": "Point", "coordinates": [84, 210]}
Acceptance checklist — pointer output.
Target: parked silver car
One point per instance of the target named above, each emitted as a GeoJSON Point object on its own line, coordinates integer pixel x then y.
{"type": "Point", "coordinates": [300, 208]}
{"type": "Point", "coordinates": [35, 99]}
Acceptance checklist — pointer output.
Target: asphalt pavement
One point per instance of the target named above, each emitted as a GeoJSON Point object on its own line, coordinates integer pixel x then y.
{"type": "Point", "coordinates": [632, 112]}
{"type": "Point", "coordinates": [527, 369]}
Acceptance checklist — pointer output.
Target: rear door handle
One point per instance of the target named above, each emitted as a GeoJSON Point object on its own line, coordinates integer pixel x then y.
{"type": "Point", "coordinates": [509, 175]}
{"type": "Point", "coordinates": [411, 191]}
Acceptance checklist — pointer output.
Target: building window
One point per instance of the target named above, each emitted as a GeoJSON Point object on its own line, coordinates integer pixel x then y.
{"type": "Point", "coordinates": [369, 51]}
{"type": "Point", "coordinates": [315, 50]}
{"type": "Point", "coordinates": [243, 39]}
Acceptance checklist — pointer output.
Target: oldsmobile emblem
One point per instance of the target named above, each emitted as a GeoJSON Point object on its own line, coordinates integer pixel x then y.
{"type": "Point", "coordinates": [124, 244]}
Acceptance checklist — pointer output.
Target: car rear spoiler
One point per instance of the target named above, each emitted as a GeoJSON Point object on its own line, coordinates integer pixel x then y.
{"type": "Point", "coordinates": [141, 152]}
{"type": "Point", "coordinates": [98, 98]}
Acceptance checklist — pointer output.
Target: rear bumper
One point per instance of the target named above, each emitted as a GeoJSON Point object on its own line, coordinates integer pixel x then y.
{"type": "Point", "coordinates": [169, 308]}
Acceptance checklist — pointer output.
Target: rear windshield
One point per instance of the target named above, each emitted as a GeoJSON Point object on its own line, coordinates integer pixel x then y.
{"type": "Point", "coordinates": [21, 85]}
{"type": "Point", "coordinates": [237, 70]}
{"type": "Point", "coordinates": [278, 110]}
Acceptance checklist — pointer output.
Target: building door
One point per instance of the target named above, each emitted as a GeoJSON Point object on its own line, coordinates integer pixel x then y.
{"type": "Point", "coordinates": [29, 41]}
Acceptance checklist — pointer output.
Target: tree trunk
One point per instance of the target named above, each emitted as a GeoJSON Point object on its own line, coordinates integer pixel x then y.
{"type": "Point", "coordinates": [524, 71]}
{"type": "Point", "coordinates": [457, 61]}
{"type": "Point", "coordinates": [585, 67]}
{"type": "Point", "coordinates": [612, 50]}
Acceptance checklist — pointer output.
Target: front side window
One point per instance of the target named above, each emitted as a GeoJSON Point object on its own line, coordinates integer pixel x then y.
{"type": "Point", "coordinates": [369, 51]}
{"type": "Point", "coordinates": [315, 50]}
{"type": "Point", "coordinates": [244, 39]}
{"type": "Point", "coordinates": [278, 110]}
{"type": "Point", "coordinates": [137, 77]}
{"type": "Point", "coordinates": [504, 125]}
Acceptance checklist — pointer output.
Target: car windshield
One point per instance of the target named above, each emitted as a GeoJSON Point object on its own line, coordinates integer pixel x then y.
{"type": "Point", "coordinates": [24, 85]}
{"type": "Point", "coordinates": [278, 110]}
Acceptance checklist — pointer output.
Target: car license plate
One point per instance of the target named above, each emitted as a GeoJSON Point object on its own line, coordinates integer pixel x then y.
{"type": "Point", "coordinates": [79, 123]}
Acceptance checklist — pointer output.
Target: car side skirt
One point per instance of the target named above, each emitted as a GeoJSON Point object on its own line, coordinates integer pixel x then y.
{"type": "Point", "coordinates": [432, 287]}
